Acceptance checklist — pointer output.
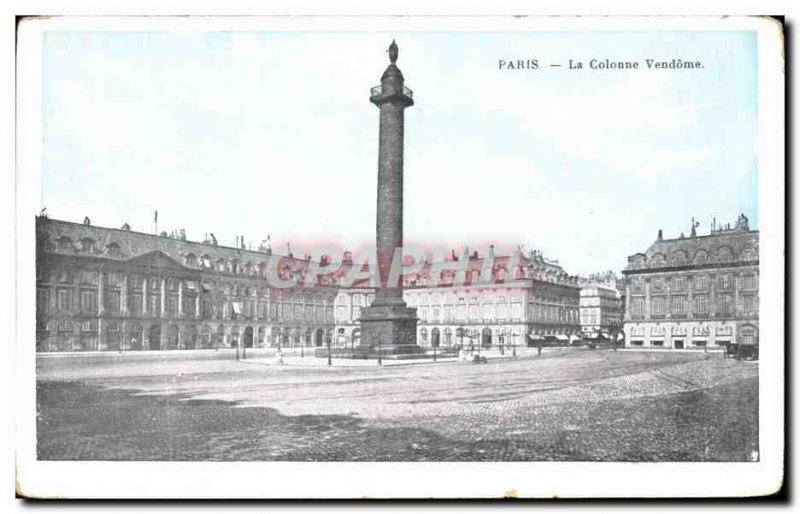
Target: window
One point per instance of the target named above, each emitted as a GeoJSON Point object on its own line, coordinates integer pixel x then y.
{"type": "Point", "coordinates": [750, 303]}
{"type": "Point", "coordinates": [172, 305]}
{"type": "Point", "coordinates": [188, 305]}
{"type": "Point", "coordinates": [153, 305]}
{"type": "Point", "coordinates": [658, 285]}
{"type": "Point", "coordinates": [637, 307]}
{"type": "Point", "coordinates": [659, 306]}
{"type": "Point", "coordinates": [135, 303]}
{"type": "Point", "coordinates": [678, 305]}
{"type": "Point", "coordinates": [637, 342]}
{"type": "Point", "coordinates": [637, 285]}
{"type": "Point", "coordinates": [724, 281]}
{"type": "Point", "coordinates": [749, 282]}
{"type": "Point", "coordinates": [89, 302]}
{"type": "Point", "coordinates": [700, 305]}
{"type": "Point", "coordinates": [701, 283]}
{"type": "Point", "coordinates": [701, 257]}
{"type": "Point", "coordinates": [112, 301]}
{"type": "Point", "coordinates": [724, 305]}
{"type": "Point", "coordinates": [502, 311]}
{"type": "Point", "coordinates": [657, 343]}
{"type": "Point", "coordinates": [679, 283]}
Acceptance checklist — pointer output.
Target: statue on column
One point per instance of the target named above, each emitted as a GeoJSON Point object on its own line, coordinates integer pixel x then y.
{"type": "Point", "coordinates": [393, 51]}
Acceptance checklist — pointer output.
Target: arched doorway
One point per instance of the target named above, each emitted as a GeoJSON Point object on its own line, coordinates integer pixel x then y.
{"type": "Point", "coordinates": [219, 337]}
{"type": "Point", "coordinates": [262, 337]}
{"type": "Point", "coordinates": [205, 337]}
{"type": "Point", "coordinates": [486, 338]}
{"type": "Point", "coordinates": [134, 342]}
{"type": "Point", "coordinates": [748, 334]}
{"type": "Point", "coordinates": [154, 338]}
{"type": "Point", "coordinates": [318, 336]}
{"type": "Point", "coordinates": [435, 336]}
{"type": "Point", "coordinates": [189, 339]}
{"type": "Point", "coordinates": [248, 337]}
{"type": "Point", "coordinates": [174, 337]}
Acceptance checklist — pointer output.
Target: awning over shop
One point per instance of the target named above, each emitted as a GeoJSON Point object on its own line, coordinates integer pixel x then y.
{"type": "Point", "coordinates": [574, 337]}
{"type": "Point", "coordinates": [620, 336]}
{"type": "Point", "coordinates": [191, 286]}
{"type": "Point", "coordinates": [562, 337]}
{"type": "Point", "coordinates": [606, 335]}
{"type": "Point", "coordinates": [206, 287]}
{"type": "Point", "coordinates": [237, 307]}
{"type": "Point", "coordinates": [535, 337]}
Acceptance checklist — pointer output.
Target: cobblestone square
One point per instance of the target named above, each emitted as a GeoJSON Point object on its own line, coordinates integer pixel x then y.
{"type": "Point", "coordinates": [577, 405]}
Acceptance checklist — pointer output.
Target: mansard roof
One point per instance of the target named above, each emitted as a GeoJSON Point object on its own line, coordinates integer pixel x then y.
{"type": "Point", "coordinates": [716, 248]}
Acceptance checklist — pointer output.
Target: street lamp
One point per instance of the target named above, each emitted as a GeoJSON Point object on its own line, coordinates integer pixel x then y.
{"type": "Point", "coordinates": [380, 363]}
{"type": "Point", "coordinates": [328, 340]}
{"type": "Point", "coordinates": [302, 347]}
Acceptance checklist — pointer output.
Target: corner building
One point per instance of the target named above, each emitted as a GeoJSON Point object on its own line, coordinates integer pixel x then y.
{"type": "Point", "coordinates": [695, 292]}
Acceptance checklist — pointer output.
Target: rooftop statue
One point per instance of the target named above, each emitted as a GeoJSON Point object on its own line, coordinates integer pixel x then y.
{"type": "Point", "coordinates": [393, 51]}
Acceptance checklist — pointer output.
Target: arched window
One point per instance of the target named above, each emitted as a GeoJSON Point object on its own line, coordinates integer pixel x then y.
{"type": "Point", "coordinates": [658, 260]}
{"type": "Point", "coordinates": [190, 260]}
{"type": "Point", "coordinates": [112, 249]}
{"type": "Point", "coordinates": [678, 258]}
{"type": "Point", "coordinates": [87, 244]}
{"type": "Point", "coordinates": [700, 257]}
{"type": "Point", "coordinates": [724, 254]}
{"type": "Point", "coordinates": [423, 335]}
{"type": "Point", "coordinates": [64, 243]}
{"type": "Point", "coordinates": [749, 254]}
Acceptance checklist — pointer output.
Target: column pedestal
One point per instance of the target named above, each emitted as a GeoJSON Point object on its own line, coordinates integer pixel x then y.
{"type": "Point", "coordinates": [388, 330]}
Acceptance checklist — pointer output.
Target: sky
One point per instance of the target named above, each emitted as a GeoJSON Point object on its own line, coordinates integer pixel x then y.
{"type": "Point", "coordinates": [272, 133]}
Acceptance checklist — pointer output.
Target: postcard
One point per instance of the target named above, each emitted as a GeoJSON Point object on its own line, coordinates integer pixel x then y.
{"type": "Point", "coordinates": [399, 257]}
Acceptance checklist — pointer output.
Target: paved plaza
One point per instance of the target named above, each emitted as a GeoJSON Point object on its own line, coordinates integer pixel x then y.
{"type": "Point", "coordinates": [563, 405]}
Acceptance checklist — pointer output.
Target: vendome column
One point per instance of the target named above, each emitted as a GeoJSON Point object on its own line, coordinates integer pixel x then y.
{"type": "Point", "coordinates": [389, 325]}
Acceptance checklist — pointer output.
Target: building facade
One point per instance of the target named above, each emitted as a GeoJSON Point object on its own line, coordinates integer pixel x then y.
{"type": "Point", "coordinates": [539, 304]}
{"type": "Point", "coordinates": [105, 289]}
{"type": "Point", "coordinates": [695, 292]}
{"type": "Point", "coordinates": [119, 290]}
{"type": "Point", "coordinates": [601, 313]}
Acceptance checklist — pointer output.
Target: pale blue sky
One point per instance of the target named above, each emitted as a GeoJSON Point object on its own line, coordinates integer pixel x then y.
{"type": "Point", "coordinates": [272, 133]}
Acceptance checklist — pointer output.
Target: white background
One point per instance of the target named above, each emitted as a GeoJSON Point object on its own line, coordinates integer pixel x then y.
{"type": "Point", "coordinates": [597, 474]}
